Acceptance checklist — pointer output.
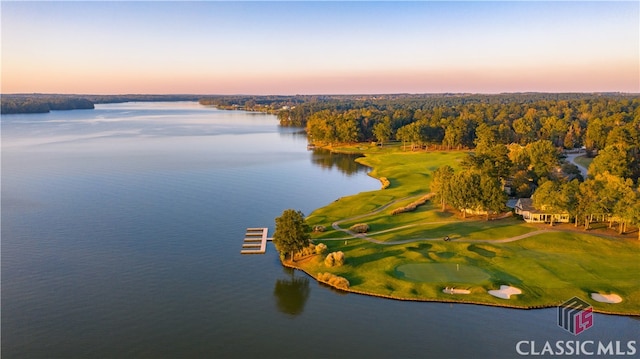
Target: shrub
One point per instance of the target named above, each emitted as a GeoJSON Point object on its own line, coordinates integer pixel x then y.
{"type": "Point", "coordinates": [385, 182]}
{"type": "Point", "coordinates": [335, 259]}
{"type": "Point", "coordinates": [333, 280]}
{"type": "Point", "coordinates": [360, 228]}
{"type": "Point", "coordinates": [321, 248]}
{"type": "Point", "coordinates": [413, 205]}
{"type": "Point", "coordinates": [308, 250]}
{"type": "Point", "coordinates": [318, 228]}
{"type": "Point", "coordinates": [329, 261]}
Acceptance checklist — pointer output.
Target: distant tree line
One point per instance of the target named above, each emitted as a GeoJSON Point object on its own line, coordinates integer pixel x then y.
{"type": "Point", "coordinates": [139, 98]}
{"type": "Point", "coordinates": [593, 121]}
{"type": "Point", "coordinates": [608, 124]}
{"type": "Point", "coordinates": [38, 104]}
{"type": "Point", "coordinates": [42, 103]}
{"type": "Point", "coordinates": [269, 104]}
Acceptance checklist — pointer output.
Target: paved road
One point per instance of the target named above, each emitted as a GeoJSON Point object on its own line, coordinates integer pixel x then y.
{"type": "Point", "coordinates": [571, 157]}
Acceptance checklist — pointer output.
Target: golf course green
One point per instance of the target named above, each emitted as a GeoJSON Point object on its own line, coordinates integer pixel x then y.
{"type": "Point", "coordinates": [441, 273]}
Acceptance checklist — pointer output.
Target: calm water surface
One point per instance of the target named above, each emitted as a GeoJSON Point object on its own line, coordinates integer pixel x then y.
{"type": "Point", "coordinates": [121, 235]}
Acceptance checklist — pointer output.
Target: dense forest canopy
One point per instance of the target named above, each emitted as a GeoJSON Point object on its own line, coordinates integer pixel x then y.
{"type": "Point", "coordinates": [604, 124]}
{"type": "Point", "coordinates": [461, 121]}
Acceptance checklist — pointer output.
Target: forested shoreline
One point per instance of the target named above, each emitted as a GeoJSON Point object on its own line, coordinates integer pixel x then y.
{"type": "Point", "coordinates": [42, 103]}
{"type": "Point", "coordinates": [607, 124]}
{"type": "Point", "coordinates": [601, 123]}
{"type": "Point", "coordinates": [516, 139]}
{"type": "Point", "coordinates": [515, 142]}
{"type": "Point", "coordinates": [457, 121]}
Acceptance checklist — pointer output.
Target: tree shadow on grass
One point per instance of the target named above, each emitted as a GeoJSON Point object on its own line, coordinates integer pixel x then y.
{"type": "Point", "coordinates": [354, 261]}
{"type": "Point", "coordinates": [454, 230]}
{"type": "Point", "coordinates": [440, 214]}
{"type": "Point", "coordinates": [446, 255]}
{"type": "Point", "coordinates": [422, 248]}
{"type": "Point", "coordinates": [603, 288]}
{"type": "Point", "coordinates": [481, 251]}
{"type": "Point", "coordinates": [353, 279]}
{"type": "Point", "coordinates": [500, 277]}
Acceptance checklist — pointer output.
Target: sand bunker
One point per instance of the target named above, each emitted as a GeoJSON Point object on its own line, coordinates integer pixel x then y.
{"type": "Point", "coordinates": [505, 292]}
{"type": "Point", "coordinates": [606, 298]}
{"type": "Point", "coordinates": [449, 290]}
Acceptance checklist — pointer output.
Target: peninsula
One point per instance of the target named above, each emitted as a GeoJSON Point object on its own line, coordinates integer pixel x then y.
{"type": "Point", "coordinates": [484, 198]}
{"type": "Point", "coordinates": [501, 262]}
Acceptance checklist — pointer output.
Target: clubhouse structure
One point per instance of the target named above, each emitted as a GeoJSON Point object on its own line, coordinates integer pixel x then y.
{"type": "Point", "coordinates": [524, 207]}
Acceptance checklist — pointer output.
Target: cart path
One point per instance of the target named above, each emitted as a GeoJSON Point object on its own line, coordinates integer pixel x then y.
{"type": "Point", "coordinates": [364, 236]}
{"type": "Point", "coordinates": [571, 157]}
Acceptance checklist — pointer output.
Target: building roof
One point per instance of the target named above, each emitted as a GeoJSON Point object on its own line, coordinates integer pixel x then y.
{"type": "Point", "coordinates": [525, 204]}
{"type": "Point", "coordinates": [511, 203]}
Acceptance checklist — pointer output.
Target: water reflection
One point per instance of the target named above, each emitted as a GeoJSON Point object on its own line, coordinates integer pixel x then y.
{"type": "Point", "coordinates": [291, 293]}
{"type": "Point", "coordinates": [295, 132]}
{"type": "Point", "coordinates": [343, 162]}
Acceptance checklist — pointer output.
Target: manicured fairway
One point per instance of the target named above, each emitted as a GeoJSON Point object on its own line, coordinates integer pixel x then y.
{"type": "Point", "coordinates": [404, 257]}
{"type": "Point", "coordinates": [442, 273]}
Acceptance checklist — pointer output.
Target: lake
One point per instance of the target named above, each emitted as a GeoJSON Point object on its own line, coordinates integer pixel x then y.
{"type": "Point", "coordinates": [121, 235]}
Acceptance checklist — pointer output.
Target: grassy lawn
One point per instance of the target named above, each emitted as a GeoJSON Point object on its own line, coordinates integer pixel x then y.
{"type": "Point", "coordinates": [584, 161]}
{"type": "Point", "coordinates": [549, 267]}
{"type": "Point", "coordinates": [441, 273]}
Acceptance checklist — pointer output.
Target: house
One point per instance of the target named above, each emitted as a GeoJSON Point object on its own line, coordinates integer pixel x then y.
{"type": "Point", "coordinates": [524, 207]}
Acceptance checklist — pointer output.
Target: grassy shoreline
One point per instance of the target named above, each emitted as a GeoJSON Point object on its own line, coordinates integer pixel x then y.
{"type": "Point", "coordinates": [460, 300]}
{"type": "Point", "coordinates": [550, 266]}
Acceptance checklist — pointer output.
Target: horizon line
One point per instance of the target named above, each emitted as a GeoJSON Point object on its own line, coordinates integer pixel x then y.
{"type": "Point", "coordinates": [318, 94]}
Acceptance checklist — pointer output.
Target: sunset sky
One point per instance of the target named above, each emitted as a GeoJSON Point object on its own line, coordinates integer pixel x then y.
{"type": "Point", "coordinates": [320, 47]}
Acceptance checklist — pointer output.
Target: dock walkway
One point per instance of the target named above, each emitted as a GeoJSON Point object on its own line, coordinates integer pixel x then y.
{"type": "Point", "coordinates": [255, 241]}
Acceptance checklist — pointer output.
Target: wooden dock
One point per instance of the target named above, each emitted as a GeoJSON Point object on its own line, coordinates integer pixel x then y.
{"type": "Point", "coordinates": [255, 241]}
